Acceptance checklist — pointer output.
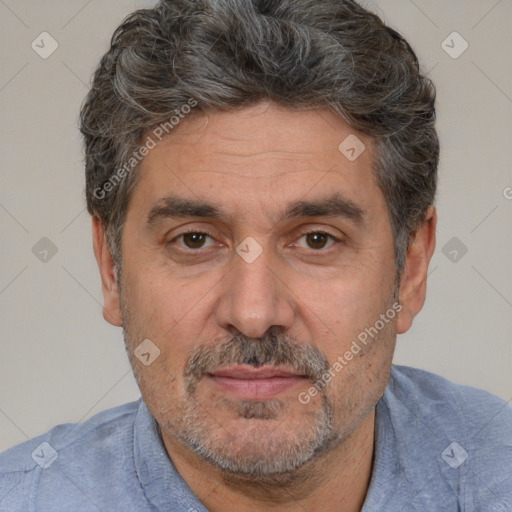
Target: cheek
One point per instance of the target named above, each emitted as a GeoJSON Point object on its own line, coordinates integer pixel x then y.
{"type": "Point", "coordinates": [339, 309]}
{"type": "Point", "coordinates": [156, 301]}
{"type": "Point", "coordinates": [155, 314]}
{"type": "Point", "coordinates": [172, 313]}
{"type": "Point", "coordinates": [360, 378]}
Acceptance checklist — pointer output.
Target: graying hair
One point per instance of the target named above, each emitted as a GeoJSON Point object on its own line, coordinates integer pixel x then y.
{"type": "Point", "coordinates": [229, 54]}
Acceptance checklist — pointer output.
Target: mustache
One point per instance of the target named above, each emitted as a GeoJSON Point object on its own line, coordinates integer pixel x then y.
{"type": "Point", "coordinates": [272, 349]}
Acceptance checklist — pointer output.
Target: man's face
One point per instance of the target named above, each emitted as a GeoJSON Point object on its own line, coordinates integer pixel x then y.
{"type": "Point", "coordinates": [252, 306]}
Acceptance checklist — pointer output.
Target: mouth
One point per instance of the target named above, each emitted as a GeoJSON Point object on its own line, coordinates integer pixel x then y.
{"type": "Point", "coordinates": [251, 383]}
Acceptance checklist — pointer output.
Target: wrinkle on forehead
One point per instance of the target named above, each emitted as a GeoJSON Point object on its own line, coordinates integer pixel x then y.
{"type": "Point", "coordinates": [276, 174]}
{"type": "Point", "coordinates": [263, 127]}
{"type": "Point", "coordinates": [271, 154]}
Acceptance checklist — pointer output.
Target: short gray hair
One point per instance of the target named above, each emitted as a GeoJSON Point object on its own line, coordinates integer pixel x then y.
{"type": "Point", "coordinates": [228, 54]}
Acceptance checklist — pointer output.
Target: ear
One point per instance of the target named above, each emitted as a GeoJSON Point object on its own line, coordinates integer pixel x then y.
{"type": "Point", "coordinates": [413, 283]}
{"type": "Point", "coordinates": [111, 304]}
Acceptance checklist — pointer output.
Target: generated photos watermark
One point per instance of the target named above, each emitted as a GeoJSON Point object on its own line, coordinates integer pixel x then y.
{"type": "Point", "coordinates": [363, 337]}
{"type": "Point", "coordinates": [157, 134]}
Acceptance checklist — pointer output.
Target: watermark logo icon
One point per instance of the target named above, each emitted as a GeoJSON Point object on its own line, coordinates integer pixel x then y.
{"type": "Point", "coordinates": [45, 455]}
{"type": "Point", "coordinates": [352, 147]}
{"type": "Point", "coordinates": [147, 352]}
{"type": "Point", "coordinates": [454, 250]}
{"type": "Point", "coordinates": [454, 45]}
{"type": "Point", "coordinates": [454, 455]}
{"type": "Point", "coordinates": [44, 45]}
{"type": "Point", "coordinates": [249, 250]}
{"type": "Point", "coordinates": [44, 250]}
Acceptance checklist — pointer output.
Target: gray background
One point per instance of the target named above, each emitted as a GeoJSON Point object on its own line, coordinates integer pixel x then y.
{"type": "Point", "coordinates": [62, 362]}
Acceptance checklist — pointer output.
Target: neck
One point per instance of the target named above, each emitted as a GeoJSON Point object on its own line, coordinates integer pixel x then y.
{"type": "Point", "coordinates": [340, 476]}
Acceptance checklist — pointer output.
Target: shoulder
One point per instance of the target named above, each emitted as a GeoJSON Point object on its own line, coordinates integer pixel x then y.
{"type": "Point", "coordinates": [457, 431]}
{"type": "Point", "coordinates": [449, 405]}
{"type": "Point", "coordinates": [64, 438]}
{"type": "Point", "coordinates": [97, 444]}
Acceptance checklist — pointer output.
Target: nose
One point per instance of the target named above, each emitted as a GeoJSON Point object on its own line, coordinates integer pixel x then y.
{"type": "Point", "coordinates": [255, 297]}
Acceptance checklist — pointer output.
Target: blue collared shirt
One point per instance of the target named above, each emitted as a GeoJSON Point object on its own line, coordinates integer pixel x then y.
{"type": "Point", "coordinates": [439, 447]}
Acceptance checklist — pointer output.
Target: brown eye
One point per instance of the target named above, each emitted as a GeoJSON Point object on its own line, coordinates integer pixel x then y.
{"type": "Point", "coordinates": [318, 240]}
{"type": "Point", "coordinates": [192, 240]}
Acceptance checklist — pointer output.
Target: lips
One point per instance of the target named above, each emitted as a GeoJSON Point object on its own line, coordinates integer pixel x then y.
{"type": "Point", "coordinates": [252, 383]}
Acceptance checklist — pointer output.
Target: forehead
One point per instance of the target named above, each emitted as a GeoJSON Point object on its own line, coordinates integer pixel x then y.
{"type": "Point", "coordinates": [264, 128]}
{"type": "Point", "coordinates": [258, 155]}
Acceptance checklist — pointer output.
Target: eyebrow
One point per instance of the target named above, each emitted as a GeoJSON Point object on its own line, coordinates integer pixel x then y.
{"type": "Point", "coordinates": [175, 207]}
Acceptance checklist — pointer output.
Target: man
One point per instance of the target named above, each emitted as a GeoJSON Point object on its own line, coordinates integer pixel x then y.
{"type": "Point", "coordinates": [261, 178]}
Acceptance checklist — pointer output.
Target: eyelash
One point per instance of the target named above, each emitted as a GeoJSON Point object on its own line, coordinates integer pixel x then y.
{"type": "Point", "coordinates": [196, 232]}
